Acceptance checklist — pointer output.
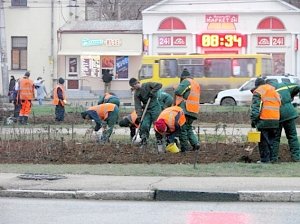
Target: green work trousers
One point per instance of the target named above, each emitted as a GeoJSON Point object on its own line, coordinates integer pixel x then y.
{"type": "Point", "coordinates": [111, 120]}
{"type": "Point", "coordinates": [187, 134]}
{"type": "Point", "coordinates": [291, 134]}
{"type": "Point", "coordinates": [150, 116]}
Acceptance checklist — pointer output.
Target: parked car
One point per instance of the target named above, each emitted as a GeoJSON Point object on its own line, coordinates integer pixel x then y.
{"type": "Point", "coordinates": [243, 95]}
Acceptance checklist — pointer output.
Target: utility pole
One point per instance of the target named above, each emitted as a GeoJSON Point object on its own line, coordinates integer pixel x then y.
{"type": "Point", "coordinates": [3, 53]}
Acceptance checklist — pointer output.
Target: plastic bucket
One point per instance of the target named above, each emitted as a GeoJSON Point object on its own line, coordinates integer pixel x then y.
{"type": "Point", "coordinates": [253, 136]}
{"type": "Point", "coordinates": [172, 148]}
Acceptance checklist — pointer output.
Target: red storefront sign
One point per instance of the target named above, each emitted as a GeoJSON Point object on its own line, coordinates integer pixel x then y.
{"type": "Point", "coordinates": [179, 40]}
{"type": "Point", "coordinates": [270, 41]}
{"type": "Point", "coordinates": [166, 41]}
{"type": "Point", "coordinates": [263, 41]}
{"type": "Point", "coordinates": [217, 18]}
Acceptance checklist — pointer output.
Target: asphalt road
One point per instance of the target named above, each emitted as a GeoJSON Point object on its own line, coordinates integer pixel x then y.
{"type": "Point", "coordinates": [49, 211]}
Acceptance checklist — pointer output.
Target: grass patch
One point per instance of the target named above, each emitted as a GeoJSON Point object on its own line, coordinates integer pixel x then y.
{"type": "Point", "coordinates": [202, 170]}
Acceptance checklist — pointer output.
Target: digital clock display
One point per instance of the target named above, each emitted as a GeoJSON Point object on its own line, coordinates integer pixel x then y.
{"type": "Point", "coordinates": [227, 40]}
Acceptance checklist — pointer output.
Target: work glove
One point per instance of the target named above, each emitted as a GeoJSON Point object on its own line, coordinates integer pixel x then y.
{"type": "Point", "coordinates": [138, 120]}
{"type": "Point", "coordinates": [253, 124]}
{"type": "Point", "coordinates": [97, 127]}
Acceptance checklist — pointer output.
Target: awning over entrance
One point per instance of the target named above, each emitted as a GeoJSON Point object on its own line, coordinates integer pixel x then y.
{"type": "Point", "coordinates": [93, 53]}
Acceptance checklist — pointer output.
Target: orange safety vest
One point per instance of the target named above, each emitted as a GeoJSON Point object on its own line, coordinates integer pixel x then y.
{"type": "Point", "coordinates": [169, 114]}
{"type": "Point", "coordinates": [103, 109]}
{"type": "Point", "coordinates": [56, 100]}
{"type": "Point", "coordinates": [26, 89]}
{"type": "Point", "coordinates": [193, 100]}
{"type": "Point", "coordinates": [270, 107]}
{"type": "Point", "coordinates": [132, 118]}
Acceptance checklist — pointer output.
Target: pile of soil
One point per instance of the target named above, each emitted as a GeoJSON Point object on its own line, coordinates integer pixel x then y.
{"type": "Point", "coordinates": [58, 152]}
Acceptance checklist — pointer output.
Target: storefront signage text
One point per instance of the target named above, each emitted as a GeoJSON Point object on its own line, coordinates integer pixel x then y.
{"type": "Point", "coordinates": [86, 42]}
{"type": "Point", "coordinates": [213, 18]}
{"type": "Point", "coordinates": [165, 41]}
{"type": "Point", "coordinates": [270, 41]}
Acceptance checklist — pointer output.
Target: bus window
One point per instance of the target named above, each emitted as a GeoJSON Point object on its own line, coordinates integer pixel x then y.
{"type": "Point", "coordinates": [243, 67]}
{"type": "Point", "coordinates": [267, 68]}
{"type": "Point", "coordinates": [167, 68]}
{"type": "Point", "coordinates": [146, 72]}
{"type": "Point", "coordinates": [194, 65]}
{"type": "Point", "coordinates": [217, 68]}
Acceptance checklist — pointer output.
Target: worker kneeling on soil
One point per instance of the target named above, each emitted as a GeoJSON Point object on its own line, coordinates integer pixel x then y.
{"type": "Point", "coordinates": [131, 122]}
{"type": "Point", "coordinates": [105, 116]}
{"type": "Point", "coordinates": [169, 124]}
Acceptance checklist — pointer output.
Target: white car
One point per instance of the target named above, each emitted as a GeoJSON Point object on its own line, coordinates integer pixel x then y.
{"type": "Point", "coordinates": [243, 95]}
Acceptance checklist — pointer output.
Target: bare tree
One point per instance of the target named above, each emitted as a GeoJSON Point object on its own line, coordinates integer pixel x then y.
{"type": "Point", "coordinates": [127, 9]}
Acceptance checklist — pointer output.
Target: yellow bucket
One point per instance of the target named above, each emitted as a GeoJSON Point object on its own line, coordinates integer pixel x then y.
{"type": "Point", "coordinates": [172, 148]}
{"type": "Point", "coordinates": [253, 136]}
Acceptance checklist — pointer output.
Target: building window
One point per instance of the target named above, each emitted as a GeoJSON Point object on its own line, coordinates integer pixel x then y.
{"type": "Point", "coordinates": [19, 53]}
{"type": "Point", "coordinates": [171, 23]}
{"type": "Point", "coordinates": [271, 23]}
{"type": "Point", "coordinates": [18, 2]}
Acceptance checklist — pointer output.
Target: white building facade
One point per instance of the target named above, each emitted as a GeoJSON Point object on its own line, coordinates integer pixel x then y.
{"type": "Point", "coordinates": [31, 35]}
{"type": "Point", "coordinates": [241, 27]}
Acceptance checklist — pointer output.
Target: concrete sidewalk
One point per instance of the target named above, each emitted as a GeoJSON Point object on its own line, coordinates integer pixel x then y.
{"type": "Point", "coordinates": [154, 188]}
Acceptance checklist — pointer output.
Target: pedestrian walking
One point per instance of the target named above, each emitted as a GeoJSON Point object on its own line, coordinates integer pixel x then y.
{"type": "Point", "coordinates": [169, 123]}
{"type": "Point", "coordinates": [107, 78]}
{"type": "Point", "coordinates": [11, 88]}
{"type": "Point", "coordinates": [41, 91]}
{"type": "Point", "coordinates": [131, 122]}
{"type": "Point", "coordinates": [264, 115]}
{"type": "Point", "coordinates": [288, 116]}
{"type": "Point", "coordinates": [142, 92]}
{"type": "Point", "coordinates": [59, 100]}
{"type": "Point", "coordinates": [109, 98]}
{"type": "Point", "coordinates": [188, 98]}
{"type": "Point", "coordinates": [26, 95]}
{"type": "Point", "coordinates": [165, 99]}
{"type": "Point", "coordinates": [105, 116]}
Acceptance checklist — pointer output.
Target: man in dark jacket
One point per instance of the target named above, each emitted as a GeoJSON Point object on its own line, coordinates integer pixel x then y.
{"type": "Point", "coordinates": [288, 115]}
{"type": "Point", "coordinates": [142, 92]}
{"type": "Point", "coordinates": [265, 114]}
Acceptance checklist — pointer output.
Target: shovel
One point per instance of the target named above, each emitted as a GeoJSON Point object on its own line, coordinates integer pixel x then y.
{"type": "Point", "coordinates": [143, 115]}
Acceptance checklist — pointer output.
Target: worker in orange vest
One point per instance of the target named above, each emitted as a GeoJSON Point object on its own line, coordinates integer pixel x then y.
{"type": "Point", "coordinates": [170, 122]}
{"type": "Point", "coordinates": [105, 116]}
{"type": "Point", "coordinates": [59, 100]}
{"type": "Point", "coordinates": [265, 114]}
{"type": "Point", "coordinates": [25, 95]}
{"type": "Point", "coordinates": [131, 122]}
{"type": "Point", "coordinates": [188, 98]}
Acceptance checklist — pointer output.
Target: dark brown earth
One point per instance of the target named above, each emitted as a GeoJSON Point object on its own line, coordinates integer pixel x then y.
{"type": "Point", "coordinates": [57, 152]}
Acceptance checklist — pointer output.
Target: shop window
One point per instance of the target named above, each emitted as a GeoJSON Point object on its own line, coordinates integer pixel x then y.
{"type": "Point", "coordinates": [122, 67]}
{"type": "Point", "coordinates": [271, 23]}
{"type": "Point", "coordinates": [90, 66]}
{"type": "Point", "coordinates": [107, 65]}
{"type": "Point", "coordinates": [146, 72]}
{"type": "Point", "coordinates": [19, 53]}
{"type": "Point", "coordinates": [172, 23]}
{"type": "Point", "coordinates": [72, 66]}
{"type": "Point", "coordinates": [18, 2]}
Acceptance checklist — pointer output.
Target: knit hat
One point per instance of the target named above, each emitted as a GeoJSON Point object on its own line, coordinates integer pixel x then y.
{"type": "Point", "coordinates": [133, 82]}
{"type": "Point", "coordinates": [27, 74]}
{"type": "Point", "coordinates": [160, 125]}
{"type": "Point", "coordinates": [61, 81]}
{"type": "Point", "coordinates": [259, 81]}
{"type": "Point", "coordinates": [185, 73]}
{"type": "Point", "coordinates": [124, 122]}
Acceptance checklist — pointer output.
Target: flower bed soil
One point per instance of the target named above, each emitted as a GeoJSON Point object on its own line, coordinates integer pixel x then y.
{"type": "Point", "coordinates": [58, 152]}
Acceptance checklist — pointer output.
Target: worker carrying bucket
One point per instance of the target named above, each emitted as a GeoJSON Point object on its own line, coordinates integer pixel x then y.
{"type": "Point", "coordinates": [169, 124]}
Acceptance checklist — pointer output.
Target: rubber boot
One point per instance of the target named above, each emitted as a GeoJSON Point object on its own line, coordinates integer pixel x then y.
{"type": "Point", "coordinates": [25, 120]}
{"type": "Point", "coordinates": [21, 119]}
